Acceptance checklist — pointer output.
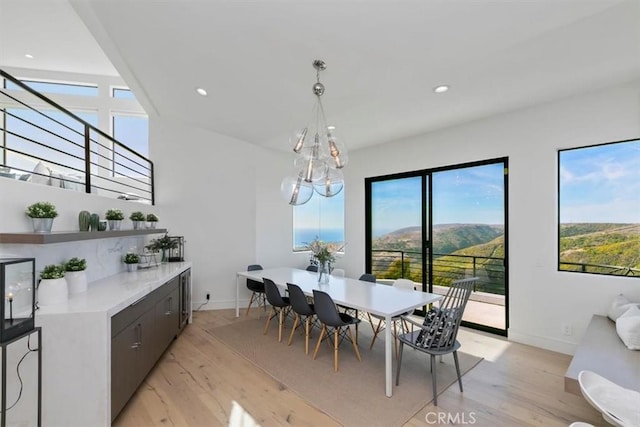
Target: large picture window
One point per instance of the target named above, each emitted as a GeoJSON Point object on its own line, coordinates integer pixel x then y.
{"type": "Point", "coordinates": [321, 217]}
{"type": "Point", "coordinates": [599, 209]}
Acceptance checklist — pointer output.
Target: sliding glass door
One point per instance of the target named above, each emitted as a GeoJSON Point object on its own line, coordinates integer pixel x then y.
{"type": "Point", "coordinates": [440, 225]}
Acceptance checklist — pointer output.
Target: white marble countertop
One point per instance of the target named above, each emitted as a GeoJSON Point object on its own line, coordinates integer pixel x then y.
{"type": "Point", "coordinates": [114, 293]}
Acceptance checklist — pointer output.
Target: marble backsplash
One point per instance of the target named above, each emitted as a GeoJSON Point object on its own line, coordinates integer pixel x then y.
{"type": "Point", "coordinates": [104, 256]}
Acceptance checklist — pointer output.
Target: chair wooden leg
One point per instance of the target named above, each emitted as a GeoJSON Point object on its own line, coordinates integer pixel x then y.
{"type": "Point", "coordinates": [269, 317]}
{"type": "Point", "coordinates": [336, 333]}
{"type": "Point", "coordinates": [455, 358]}
{"type": "Point", "coordinates": [253, 294]}
{"type": "Point", "coordinates": [295, 325]}
{"type": "Point", "coordinates": [280, 323]}
{"type": "Point", "coordinates": [307, 332]}
{"type": "Point", "coordinates": [399, 363]}
{"type": "Point", "coordinates": [433, 380]}
{"type": "Point", "coordinates": [355, 344]}
{"type": "Point", "coordinates": [376, 331]}
{"type": "Point", "coordinates": [371, 323]}
{"type": "Point", "coordinates": [322, 332]}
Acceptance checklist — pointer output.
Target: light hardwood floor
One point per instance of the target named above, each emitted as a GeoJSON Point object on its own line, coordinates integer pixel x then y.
{"type": "Point", "coordinates": [201, 382]}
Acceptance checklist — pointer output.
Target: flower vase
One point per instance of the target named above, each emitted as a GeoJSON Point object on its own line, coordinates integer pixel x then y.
{"type": "Point", "coordinates": [324, 269]}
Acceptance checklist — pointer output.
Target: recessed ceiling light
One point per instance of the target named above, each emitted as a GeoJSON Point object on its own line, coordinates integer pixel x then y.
{"type": "Point", "coordinates": [441, 89]}
{"type": "Point", "coordinates": [331, 127]}
{"type": "Point", "coordinates": [28, 55]}
{"type": "Point", "coordinates": [201, 91]}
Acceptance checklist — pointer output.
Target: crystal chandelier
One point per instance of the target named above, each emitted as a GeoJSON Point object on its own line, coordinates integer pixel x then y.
{"type": "Point", "coordinates": [320, 155]}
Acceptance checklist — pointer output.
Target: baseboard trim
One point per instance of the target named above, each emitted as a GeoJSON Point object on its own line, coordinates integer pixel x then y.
{"type": "Point", "coordinates": [543, 342]}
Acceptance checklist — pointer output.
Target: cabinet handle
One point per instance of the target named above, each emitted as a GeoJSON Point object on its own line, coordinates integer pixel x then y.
{"type": "Point", "coordinates": [138, 343]}
{"type": "Point", "coordinates": [170, 303]}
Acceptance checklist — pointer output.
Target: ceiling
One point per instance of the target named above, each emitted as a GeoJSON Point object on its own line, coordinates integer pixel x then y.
{"type": "Point", "coordinates": [384, 57]}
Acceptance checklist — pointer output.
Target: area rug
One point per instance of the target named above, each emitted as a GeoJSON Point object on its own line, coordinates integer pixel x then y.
{"type": "Point", "coordinates": [354, 395]}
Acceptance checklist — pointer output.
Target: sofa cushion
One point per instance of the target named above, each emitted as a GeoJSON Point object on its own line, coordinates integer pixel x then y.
{"type": "Point", "coordinates": [619, 306]}
{"type": "Point", "coordinates": [628, 328]}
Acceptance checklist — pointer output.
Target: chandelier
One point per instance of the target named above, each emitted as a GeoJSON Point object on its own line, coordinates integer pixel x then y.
{"type": "Point", "coordinates": [320, 155]}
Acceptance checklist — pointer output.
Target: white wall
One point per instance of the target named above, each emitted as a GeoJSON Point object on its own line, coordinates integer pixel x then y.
{"type": "Point", "coordinates": [541, 298]}
{"type": "Point", "coordinates": [103, 256]}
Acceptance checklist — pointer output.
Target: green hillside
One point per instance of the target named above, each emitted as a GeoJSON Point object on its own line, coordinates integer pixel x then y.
{"type": "Point", "coordinates": [610, 244]}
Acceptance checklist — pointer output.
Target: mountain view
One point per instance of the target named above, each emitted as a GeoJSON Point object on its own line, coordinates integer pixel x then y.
{"type": "Point", "coordinates": [459, 250]}
{"type": "Point", "coordinates": [611, 248]}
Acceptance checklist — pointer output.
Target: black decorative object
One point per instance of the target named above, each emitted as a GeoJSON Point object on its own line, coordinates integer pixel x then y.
{"type": "Point", "coordinates": [17, 284]}
{"type": "Point", "coordinates": [176, 253]}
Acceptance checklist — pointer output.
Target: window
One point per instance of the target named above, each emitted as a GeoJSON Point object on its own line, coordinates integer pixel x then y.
{"type": "Point", "coordinates": [132, 131]}
{"type": "Point", "coordinates": [54, 87]}
{"type": "Point", "coordinates": [321, 217]}
{"type": "Point", "coordinates": [599, 209]}
{"type": "Point", "coordinates": [122, 93]}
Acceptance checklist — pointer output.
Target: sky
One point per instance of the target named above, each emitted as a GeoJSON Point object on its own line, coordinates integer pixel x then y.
{"type": "Point", "coordinates": [600, 183]}
{"type": "Point", "coordinates": [468, 195]}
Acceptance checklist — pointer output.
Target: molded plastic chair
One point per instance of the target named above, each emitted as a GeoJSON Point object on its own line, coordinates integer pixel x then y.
{"type": "Point", "coordinates": [256, 288]}
{"type": "Point", "coordinates": [368, 277]}
{"type": "Point", "coordinates": [329, 316]}
{"type": "Point", "coordinates": [437, 335]}
{"type": "Point", "coordinates": [619, 406]}
{"type": "Point", "coordinates": [313, 268]}
{"type": "Point", "coordinates": [279, 305]}
{"type": "Point", "coordinates": [304, 312]}
{"type": "Point", "coordinates": [405, 284]}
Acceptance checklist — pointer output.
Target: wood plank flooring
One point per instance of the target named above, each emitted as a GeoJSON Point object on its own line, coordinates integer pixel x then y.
{"type": "Point", "coordinates": [201, 382]}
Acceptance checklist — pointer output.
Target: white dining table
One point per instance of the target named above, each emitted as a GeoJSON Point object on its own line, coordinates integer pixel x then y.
{"type": "Point", "coordinates": [384, 300]}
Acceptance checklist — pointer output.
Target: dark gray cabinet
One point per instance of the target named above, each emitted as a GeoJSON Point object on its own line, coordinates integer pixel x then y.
{"type": "Point", "coordinates": [185, 298]}
{"type": "Point", "coordinates": [139, 335]}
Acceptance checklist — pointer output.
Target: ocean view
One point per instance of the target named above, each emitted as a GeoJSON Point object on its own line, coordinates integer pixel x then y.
{"type": "Point", "coordinates": [302, 236]}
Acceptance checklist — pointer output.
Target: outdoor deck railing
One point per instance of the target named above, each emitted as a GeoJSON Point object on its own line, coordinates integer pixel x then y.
{"type": "Point", "coordinates": [43, 142]}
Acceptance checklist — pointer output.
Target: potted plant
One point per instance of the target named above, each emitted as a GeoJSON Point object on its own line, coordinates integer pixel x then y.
{"type": "Point", "coordinates": [75, 275]}
{"type": "Point", "coordinates": [138, 220]}
{"type": "Point", "coordinates": [152, 220]}
{"type": "Point", "coordinates": [53, 288]}
{"type": "Point", "coordinates": [115, 217]}
{"type": "Point", "coordinates": [131, 260]}
{"type": "Point", "coordinates": [163, 244]}
{"type": "Point", "coordinates": [42, 215]}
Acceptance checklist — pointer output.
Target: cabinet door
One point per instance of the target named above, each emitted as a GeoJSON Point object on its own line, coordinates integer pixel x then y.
{"type": "Point", "coordinates": [167, 319]}
{"type": "Point", "coordinates": [124, 351]}
{"type": "Point", "coordinates": [148, 352]}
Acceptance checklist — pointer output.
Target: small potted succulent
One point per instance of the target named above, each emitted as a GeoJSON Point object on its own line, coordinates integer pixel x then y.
{"type": "Point", "coordinates": [131, 260]}
{"type": "Point", "coordinates": [75, 275]}
{"type": "Point", "coordinates": [152, 220]}
{"type": "Point", "coordinates": [42, 215]}
{"type": "Point", "coordinates": [115, 217]}
{"type": "Point", "coordinates": [53, 288]}
{"type": "Point", "coordinates": [163, 244]}
{"type": "Point", "coordinates": [138, 220]}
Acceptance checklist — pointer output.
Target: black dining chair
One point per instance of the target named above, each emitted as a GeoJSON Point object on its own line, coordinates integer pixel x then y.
{"type": "Point", "coordinates": [312, 268]}
{"type": "Point", "coordinates": [256, 288]}
{"type": "Point", "coordinates": [280, 306]}
{"type": "Point", "coordinates": [437, 335]}
{"type": "Point", "coordinates": [304, 312]}
{"type": "Point", "coordinates": [333, 323]}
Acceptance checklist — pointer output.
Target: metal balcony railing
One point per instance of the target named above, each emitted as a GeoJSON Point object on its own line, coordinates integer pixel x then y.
{"type": "Point", "coordinates": [614, 270]}
{"type": "Point", "coordinates": [394, 264]}
{"type": "Point", "coordinates": [45, 143]}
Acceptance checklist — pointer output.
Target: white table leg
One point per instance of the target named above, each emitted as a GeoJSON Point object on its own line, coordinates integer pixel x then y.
{"type": "Point", "coordinates": [388, 357]}
{"type": "Point", "coordinates": [237, 295]}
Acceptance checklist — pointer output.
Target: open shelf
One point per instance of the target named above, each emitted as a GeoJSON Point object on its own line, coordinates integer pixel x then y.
{"type": "Point", "coordinates": [72, 236]}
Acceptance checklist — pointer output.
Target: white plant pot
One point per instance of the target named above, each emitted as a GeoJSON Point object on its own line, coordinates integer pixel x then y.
{"type": "Point", "coordinates": [42, 225]}
{"type": "Point", "coordinates": [139, 225]}
{"type": "Point", "coordinates": [77, 281]}
{"type": "Point", "coordinates": [52, 291]}
{"type": "Point", "coordinates": [132, 267]}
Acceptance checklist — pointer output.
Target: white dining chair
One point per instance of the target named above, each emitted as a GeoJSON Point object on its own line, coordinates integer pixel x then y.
{"type": "Point", "coordinates": [618, 405]}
